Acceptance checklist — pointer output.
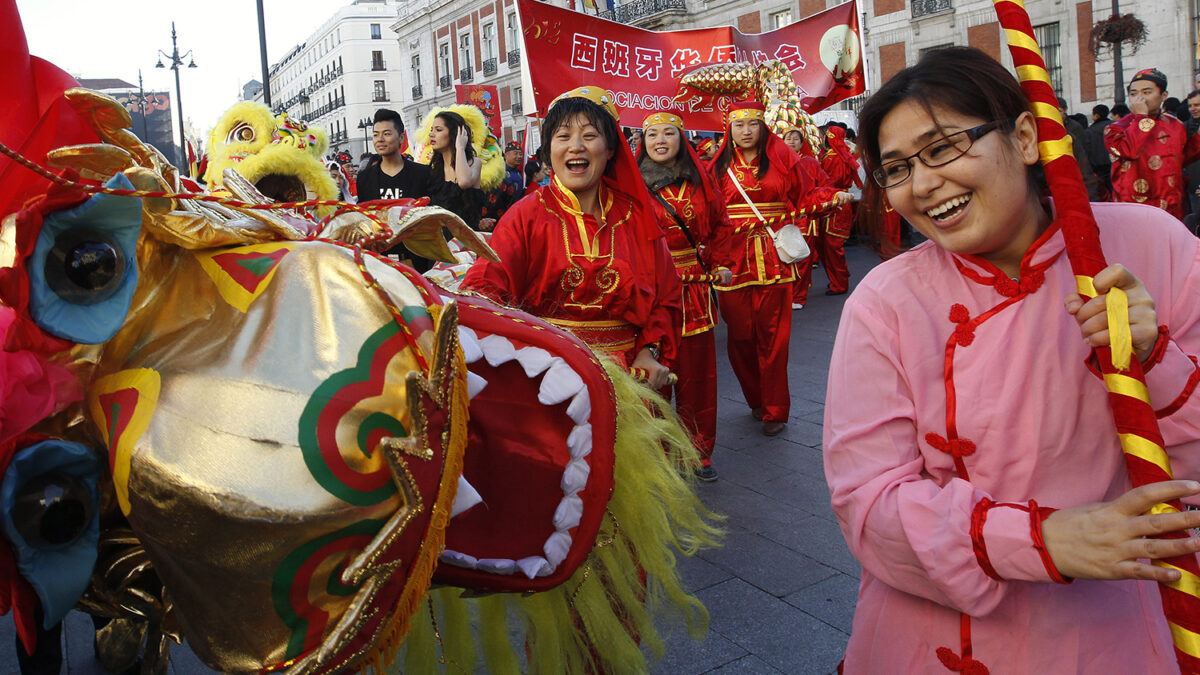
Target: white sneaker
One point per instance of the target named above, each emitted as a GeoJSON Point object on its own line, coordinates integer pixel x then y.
{"type": "Point", "coordinates": [797, 305]}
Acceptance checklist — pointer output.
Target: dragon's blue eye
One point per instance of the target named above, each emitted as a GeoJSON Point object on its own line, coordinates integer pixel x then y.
{"type": "Point", "coordinates": [49, 512]}
{"type": "Point", "coordinates": [83, 270]}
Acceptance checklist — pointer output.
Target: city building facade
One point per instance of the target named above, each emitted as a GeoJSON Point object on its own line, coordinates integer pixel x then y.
{"type": "Point", "coordinates": [410, 55]}
{"type": "Point", "coordinates": [341, 74]}
{"type": "Point", "coordinates": [458, 42]}
{"type": "Point", "coordinates": [898, 32]}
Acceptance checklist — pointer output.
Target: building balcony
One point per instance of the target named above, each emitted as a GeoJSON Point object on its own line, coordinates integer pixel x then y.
{"type": "Point", "coordinates": [489, 67]}
{"type": "Point", "coordinates": [444, 82]}
{"type": "Point", "coordinates": [926, 7]}
{"type": "Point", "coordinates": [514, 58]}
{"type": "Point", "coordinates": [417, 93]}
{"type": "Point", "coordinates": [466, 74]}
{"type": "Point", "coordinates": [516, 109]}
{"type": "Point", "coordinates": [380, 98]}
{"type": "Point", "coordinates": [639, 10]}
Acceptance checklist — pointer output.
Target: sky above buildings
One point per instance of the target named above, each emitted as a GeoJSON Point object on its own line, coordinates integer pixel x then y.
{"type": "Point", "coordinates": [113, 40]}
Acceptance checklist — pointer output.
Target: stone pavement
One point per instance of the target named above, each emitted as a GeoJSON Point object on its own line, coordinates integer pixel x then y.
{"type": "Point", "coordinates": [781, 591]}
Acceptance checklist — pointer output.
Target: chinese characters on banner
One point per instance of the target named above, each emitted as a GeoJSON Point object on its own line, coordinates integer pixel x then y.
{"type": "Point", "coordinates": [482, 96]}
{"type": "Point", "coordinates": [642, 68]}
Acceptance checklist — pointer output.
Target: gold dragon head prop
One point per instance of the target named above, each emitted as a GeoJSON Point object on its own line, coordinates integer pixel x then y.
{"type": "Point", "coordinates": [770, 83]}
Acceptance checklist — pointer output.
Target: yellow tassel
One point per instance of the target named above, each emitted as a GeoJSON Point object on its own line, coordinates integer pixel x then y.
{"type": "Point", "coordinates": [1120, 337]}
{"type": "Point", "coordinates": [494, 639]}
{"type": "Point", "coordinates": [459, 654]}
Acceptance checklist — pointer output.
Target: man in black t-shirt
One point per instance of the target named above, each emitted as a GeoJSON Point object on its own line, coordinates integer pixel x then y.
{"type": "Point", "coordinates": [394, 176]}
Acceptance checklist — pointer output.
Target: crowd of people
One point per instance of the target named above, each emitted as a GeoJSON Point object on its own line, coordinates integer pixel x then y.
{"type": "Point", "coordinates": [634, 270]}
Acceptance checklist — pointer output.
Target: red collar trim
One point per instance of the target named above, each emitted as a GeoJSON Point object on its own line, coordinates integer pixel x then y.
{"type": "Point", "coordinates": [1043, 253]}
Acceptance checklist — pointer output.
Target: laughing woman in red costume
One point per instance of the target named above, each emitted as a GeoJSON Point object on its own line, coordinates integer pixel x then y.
{"type": "Point", "coordinates": [585, 252]}
{"type": "Point", "coordinates": [691, 211]}
{"type": "Point", "coordinates": [761, 180]}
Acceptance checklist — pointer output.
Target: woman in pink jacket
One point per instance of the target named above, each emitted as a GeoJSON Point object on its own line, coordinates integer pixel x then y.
{"type": "Point", "coordinates": [972, 458]}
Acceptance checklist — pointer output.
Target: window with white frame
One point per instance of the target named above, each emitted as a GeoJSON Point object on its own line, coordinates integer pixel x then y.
{"type": "Point", "coordinates": [487, 40]}
{"type": "Point", "coordinates": [465, 59]}
{"type": "Point", "coordinates": [444, 60]}
{"type": "Point", "coordinates": [781, 19]}
{"type": "Point", "coordinates": [376, 33]}
{"type": "Point", "coordinates": [514, 36]}
{"type": "Point", "coordinates": [416, 70]}
{"type": "Point", "coordinates": [380, 91]}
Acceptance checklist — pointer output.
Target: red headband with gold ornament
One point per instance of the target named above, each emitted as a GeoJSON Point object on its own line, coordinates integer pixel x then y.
{"type": "Point", "coordinates": [746, 110]}
{"type": "Point", "coordinates": [662, 118]}
{"type": "Point", "coordinates": [598, 95]}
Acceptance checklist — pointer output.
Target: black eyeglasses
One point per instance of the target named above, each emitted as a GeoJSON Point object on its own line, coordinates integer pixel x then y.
{"type": "Point", "coordinates": [938, 153]}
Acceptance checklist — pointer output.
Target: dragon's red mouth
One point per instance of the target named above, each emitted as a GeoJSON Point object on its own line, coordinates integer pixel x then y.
{"type": "Point", "coordinates": [543, 408]}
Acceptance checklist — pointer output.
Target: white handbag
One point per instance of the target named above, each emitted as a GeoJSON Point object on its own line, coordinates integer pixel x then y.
{"type": "Point", "coordinates": [789, 239]}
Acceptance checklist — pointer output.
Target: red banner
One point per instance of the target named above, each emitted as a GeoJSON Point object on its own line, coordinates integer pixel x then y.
{"type": "Point", "coordinates": [567, 49]}
{"type": "Point", "coordinates": [482, 96]}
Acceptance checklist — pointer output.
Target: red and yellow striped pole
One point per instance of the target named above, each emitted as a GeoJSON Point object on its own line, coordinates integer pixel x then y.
{"type": "Point", "coordinates": [1134, 416]}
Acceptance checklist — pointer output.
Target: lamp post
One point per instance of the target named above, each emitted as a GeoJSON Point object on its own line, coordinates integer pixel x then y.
{"type": "Point", "coordinates": [365, 124]}
{"type": "Point", "coordinates": [176, 63]}
{"type": "Point", "coordinates": [142, 104]}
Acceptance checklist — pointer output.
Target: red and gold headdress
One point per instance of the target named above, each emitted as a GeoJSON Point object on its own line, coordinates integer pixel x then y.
{"type": "Point", "coordinates": [746, 110]}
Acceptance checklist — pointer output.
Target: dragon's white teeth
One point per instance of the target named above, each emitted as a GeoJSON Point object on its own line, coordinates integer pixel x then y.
{"type": "Point", "coordinates": [559, 383]}
{"type": "Point", "coordinates": [580, 409]}
{"type": "Point", "coordinates": [534, 566]}
{"type": "Point", "coordinates": [568, 513]}
{"type": "Point", "coordinates": [575, 476]}
{"type": "Point", "coordinates": [461, 559]}
{"type": "Point", "coordinates": [466, 497]}
{"type": "Point", "coordinates": [470, 344]}
{"type": "Point", "coordinates": [579, 441]}
{"type": "Point", "coordinates": [497, 350]}
{"type": "Point", "coordinates": [497, 565]}
{"type": "Point", "coordinates": [556, 548]}
{"type": "Point", "coordinates": [534, 360]}
{"type": "Point", "coordinates": [475, 384]}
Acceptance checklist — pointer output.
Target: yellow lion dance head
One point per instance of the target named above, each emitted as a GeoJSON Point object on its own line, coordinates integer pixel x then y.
{"type": "Point", "coordinates": [280, 155]}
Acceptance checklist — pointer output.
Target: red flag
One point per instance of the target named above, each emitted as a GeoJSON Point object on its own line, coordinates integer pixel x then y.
{"type": "Point", "coordinates": [485, 97]}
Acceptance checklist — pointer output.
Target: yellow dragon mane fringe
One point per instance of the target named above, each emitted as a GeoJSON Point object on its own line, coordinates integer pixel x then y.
{"type": "Point", "coordinates": [485, 145]}
{"type": "Point", "coordinates": [600, 620]}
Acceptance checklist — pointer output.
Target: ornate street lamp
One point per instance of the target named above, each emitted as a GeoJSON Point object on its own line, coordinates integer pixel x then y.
{"type": "Point", "coordinates": [176, 60]}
